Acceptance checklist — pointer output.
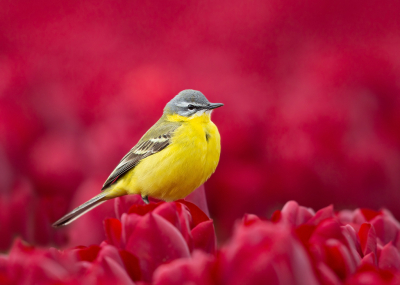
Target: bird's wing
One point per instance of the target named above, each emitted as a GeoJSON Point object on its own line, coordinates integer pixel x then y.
{"type": "Point", "coordinates": [155, 140]}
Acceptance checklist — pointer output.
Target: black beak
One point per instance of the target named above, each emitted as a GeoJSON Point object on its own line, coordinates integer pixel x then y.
{"type": "Point", "coordinates": [214, 105]}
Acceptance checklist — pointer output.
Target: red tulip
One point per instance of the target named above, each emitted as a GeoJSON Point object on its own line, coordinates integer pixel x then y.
{"type": "Point", "coordinates": [161, 232]}
{"type": "Point", "coordinates": [199, 269]}
{"type": "Point", "coordinates": [257, 252]}
{"type": "Point", "coordinates": [312, 103]}
{"type": "Point", "coordinates": [173, 243]}
{"type": "Point", "coordinates": [295, 215]}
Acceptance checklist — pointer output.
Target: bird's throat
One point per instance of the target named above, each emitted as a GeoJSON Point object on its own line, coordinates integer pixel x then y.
{"type": "Point", "coordinates": [203, 117]}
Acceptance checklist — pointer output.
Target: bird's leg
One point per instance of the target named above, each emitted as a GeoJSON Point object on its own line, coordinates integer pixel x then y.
{"type": "Point", "coordinates": [145, 199]}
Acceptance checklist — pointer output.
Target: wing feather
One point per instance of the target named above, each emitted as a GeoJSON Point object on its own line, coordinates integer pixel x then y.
{"type": "Point", "coordinates": [148, 145]}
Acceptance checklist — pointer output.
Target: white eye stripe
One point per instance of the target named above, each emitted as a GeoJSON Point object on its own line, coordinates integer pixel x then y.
{"type": "Point", "coordinates": [182, 104]}
{"type": "Point", "coordinates": [186, 104]}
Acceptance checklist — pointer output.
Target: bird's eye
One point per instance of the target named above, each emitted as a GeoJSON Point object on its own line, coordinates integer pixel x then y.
{"type": "Point", "coordinates": [191, 107]}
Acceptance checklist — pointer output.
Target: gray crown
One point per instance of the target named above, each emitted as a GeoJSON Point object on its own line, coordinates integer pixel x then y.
{"type": "Point", "coordinates": [188, 102]}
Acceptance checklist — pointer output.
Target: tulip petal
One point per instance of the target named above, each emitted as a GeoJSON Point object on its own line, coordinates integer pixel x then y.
{"type": "Point", "coordinates": [321, 215]}
{"type": "Point", "coordinates": [155, 241]}
{"type": "Point", "coordinates": [198, 215]}
{"type": "Point", "coordinates": [352, 242]}
{"type": "Point", "coordinates": [327, 275]}
{"type": "Point", "coordinates": [250, 219]}
{"type": "Point", "coordinates": [389, 258]}
{"type": "Point", "coordinates": [194, 270]}
{"type": "Point", "coordinates": [89, 253]}
{"type": "Point", "coordinates": [370, 258]}
{"type": "Point", "coordinates": [385, 229]}
{"type": "Point", "coordinates": [304, 233]}
{"type": "Point", "coordinates": [367, 237]}
{"type": "Point", "coordinates": [131, 264]}
{"type": "Point", "coordinates": [129, 223]}
{"type": "Point", "coordinates": [265, 251]}
{"type": "Point", "coordinates": [113, 230]}
{"type": "Point", "coordinates": [142, 210]}
{"type": "Point", "coordinates": [369, 214]}
{"type": "Point", "coordinates": [204, 237]}
{"type": "Point", "coordinates": [107, 271]}
{"type": "Point", "coordinates": [327, 229]}
{"type": "Point", "coordinates": [371, 275]}
{"type": "Point", "coordinates": [276, 216]}
{"type": "Point", "coordinates": [110, 251]}
{"type": "Point", "coordinates": [198, 197]}
{"type": "Point", "coordinates": [339, 259]}
{"type": "Point", "coordinates": [122, 204]}
{"type": "Point", "coordinates": [179, 216]}
{"type": "Point", "coordinates": [294, 214]}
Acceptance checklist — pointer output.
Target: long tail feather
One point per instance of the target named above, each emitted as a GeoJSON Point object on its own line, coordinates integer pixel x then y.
{"type": "Point", "coordinates": [82, 209]}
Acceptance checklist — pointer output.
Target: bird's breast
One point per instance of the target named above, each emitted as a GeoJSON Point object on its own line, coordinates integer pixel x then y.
{"type": "Point", "coordinates": [184, 165]}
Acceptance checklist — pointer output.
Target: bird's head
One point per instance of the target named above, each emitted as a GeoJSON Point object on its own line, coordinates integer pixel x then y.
{"type": "Point", "coordinates": [190, 103]}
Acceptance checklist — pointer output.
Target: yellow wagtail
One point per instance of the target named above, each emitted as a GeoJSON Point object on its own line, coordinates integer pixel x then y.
{"type": "Point", "coordinates": [173, 158]}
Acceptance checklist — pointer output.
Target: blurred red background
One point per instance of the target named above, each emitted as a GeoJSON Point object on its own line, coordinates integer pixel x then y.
{"type": "Point", "coordinates": [311, 93]}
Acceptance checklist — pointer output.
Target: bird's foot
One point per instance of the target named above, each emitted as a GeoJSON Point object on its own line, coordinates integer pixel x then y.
{"type": "Point", "coordinates": [145, 199]}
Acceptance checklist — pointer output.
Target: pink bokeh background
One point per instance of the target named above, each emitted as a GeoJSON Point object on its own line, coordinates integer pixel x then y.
{"type": "Point", "coordinates": [311, 93]}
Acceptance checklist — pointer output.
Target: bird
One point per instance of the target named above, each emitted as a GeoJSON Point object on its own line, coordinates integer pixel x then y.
{"type": "Point", "coordinates": [173, 158]}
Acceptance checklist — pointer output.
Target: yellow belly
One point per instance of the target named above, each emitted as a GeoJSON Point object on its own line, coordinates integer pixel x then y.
{"type": "Point", "coordinates": [180, 168]}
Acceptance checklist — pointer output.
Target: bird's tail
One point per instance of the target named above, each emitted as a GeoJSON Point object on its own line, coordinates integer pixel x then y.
{"type": "Point", "coordinates": [82, 209]}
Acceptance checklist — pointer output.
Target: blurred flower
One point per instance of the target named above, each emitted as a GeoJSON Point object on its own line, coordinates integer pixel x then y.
{"type": "Point", "coordinates": [93, 265]}
{"type": "Point", "coordinates": [174, 243]}
{"type": "Point", "coordinates": [320, 246]}
{"type": "Point", "coordinates": [146, 237]}
{"type": "Point", "coordinates": [311, 92]}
